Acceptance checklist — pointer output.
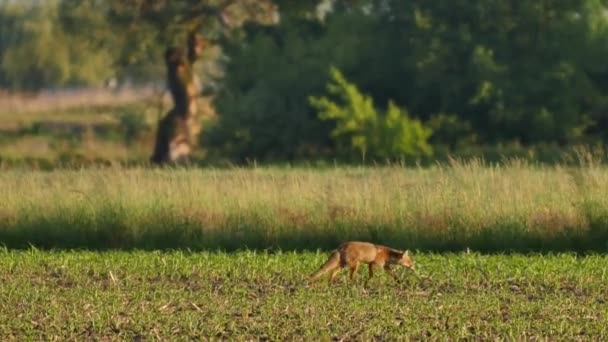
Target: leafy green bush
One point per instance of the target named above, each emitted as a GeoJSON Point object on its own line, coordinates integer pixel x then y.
{"type": "Point", "coordinates": [361, 128]}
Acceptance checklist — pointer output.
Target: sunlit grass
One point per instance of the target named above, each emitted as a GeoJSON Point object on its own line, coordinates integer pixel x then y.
{"type": "Point", "coordinates": [487, 208]}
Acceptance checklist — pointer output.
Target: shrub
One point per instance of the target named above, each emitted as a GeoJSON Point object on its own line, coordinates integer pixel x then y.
{"type": "Point", "coordinates": [361, 128]}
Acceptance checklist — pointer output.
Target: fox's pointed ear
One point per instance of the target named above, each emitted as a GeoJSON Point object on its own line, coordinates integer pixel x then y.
{"type": "Point", "coordinates": [407, 252]}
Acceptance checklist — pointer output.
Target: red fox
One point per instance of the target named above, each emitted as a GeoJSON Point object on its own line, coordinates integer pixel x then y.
{"type": "Point", "coordinates": [353, 253]}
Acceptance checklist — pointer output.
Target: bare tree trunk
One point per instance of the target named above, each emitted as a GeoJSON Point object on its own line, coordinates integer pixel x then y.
{"type": "Point", "coordinates": [177, 131]}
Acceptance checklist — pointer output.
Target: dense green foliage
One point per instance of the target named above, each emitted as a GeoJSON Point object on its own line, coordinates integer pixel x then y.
{"type": "Point", "coordinates": [48, 45]}
{"type": "Point", "coordinates": [245, 296]}
{"type": "Point", "coordinates": [360, 128]}
{"type": "Point", "coordinates": [59, 43]}
{"type": "Point", "coordinates": [490, 209]}
{"type": "Point", "coordinates": [478, 73]}
{"type": "Point", "coordinates": [486, 73]}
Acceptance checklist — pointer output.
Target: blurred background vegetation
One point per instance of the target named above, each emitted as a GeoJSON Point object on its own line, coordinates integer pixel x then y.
{"type": "Point", "coordinates": [83, 81]}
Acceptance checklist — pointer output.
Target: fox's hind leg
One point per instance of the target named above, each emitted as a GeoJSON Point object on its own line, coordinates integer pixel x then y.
{"type": "Point", "coordinates": [334, 273]}
{"type": "Point", "coordinates": [372, 266]}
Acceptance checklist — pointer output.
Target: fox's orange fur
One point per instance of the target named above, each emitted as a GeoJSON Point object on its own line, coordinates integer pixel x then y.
{"type": "Point", "coordinates": [353, 253]}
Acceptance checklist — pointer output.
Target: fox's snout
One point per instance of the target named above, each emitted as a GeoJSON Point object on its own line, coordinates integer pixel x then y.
{"type": "Point", "coordinates": [408, 263]}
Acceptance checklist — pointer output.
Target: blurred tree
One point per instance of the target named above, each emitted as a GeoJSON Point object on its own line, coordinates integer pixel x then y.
{"type": "Point", "coordinates": [201, 23]}
{"type": "Point", "coordinates": [271, 71]}
{"type": "Point", "coordinates": [478, 72]}
{"type": "Point", "coordinates": [512, 70]}
{"type": "Point", "coordinates": [36, 52]}
{"type": "Point", "coordinates": [485, 72]}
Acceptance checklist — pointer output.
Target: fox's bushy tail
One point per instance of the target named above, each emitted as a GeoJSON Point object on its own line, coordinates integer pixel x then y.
{"type": "Point", "coordinates": [331, 264]}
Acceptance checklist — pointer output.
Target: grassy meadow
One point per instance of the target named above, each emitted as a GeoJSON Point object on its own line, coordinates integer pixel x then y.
{"type": "Point", "coordinates": [161, 254]}
{"type": "Point", "coordinates": [515, 207]}
{"type": "Point", "coordinates": [247, 295]}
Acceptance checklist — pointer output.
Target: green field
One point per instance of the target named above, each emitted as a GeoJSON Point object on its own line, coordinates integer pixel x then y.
{"type": "Point", "coordinates": [245, 295]}
{"type": "Point", "coordinates": [162, 254]}
{"type": "Point", "coordinates": [516, 207]}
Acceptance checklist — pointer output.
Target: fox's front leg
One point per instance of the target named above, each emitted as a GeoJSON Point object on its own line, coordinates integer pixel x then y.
{"type": "Point", "coordinates": [372, 266]}
{"type": "Point", "coordinates": [388, 270]}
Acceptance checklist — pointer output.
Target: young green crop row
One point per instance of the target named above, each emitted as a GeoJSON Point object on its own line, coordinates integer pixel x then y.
{"type": "Point", "coordinates": [517, 207]}
{"type": "Point", "coordinates": [245, 295]}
